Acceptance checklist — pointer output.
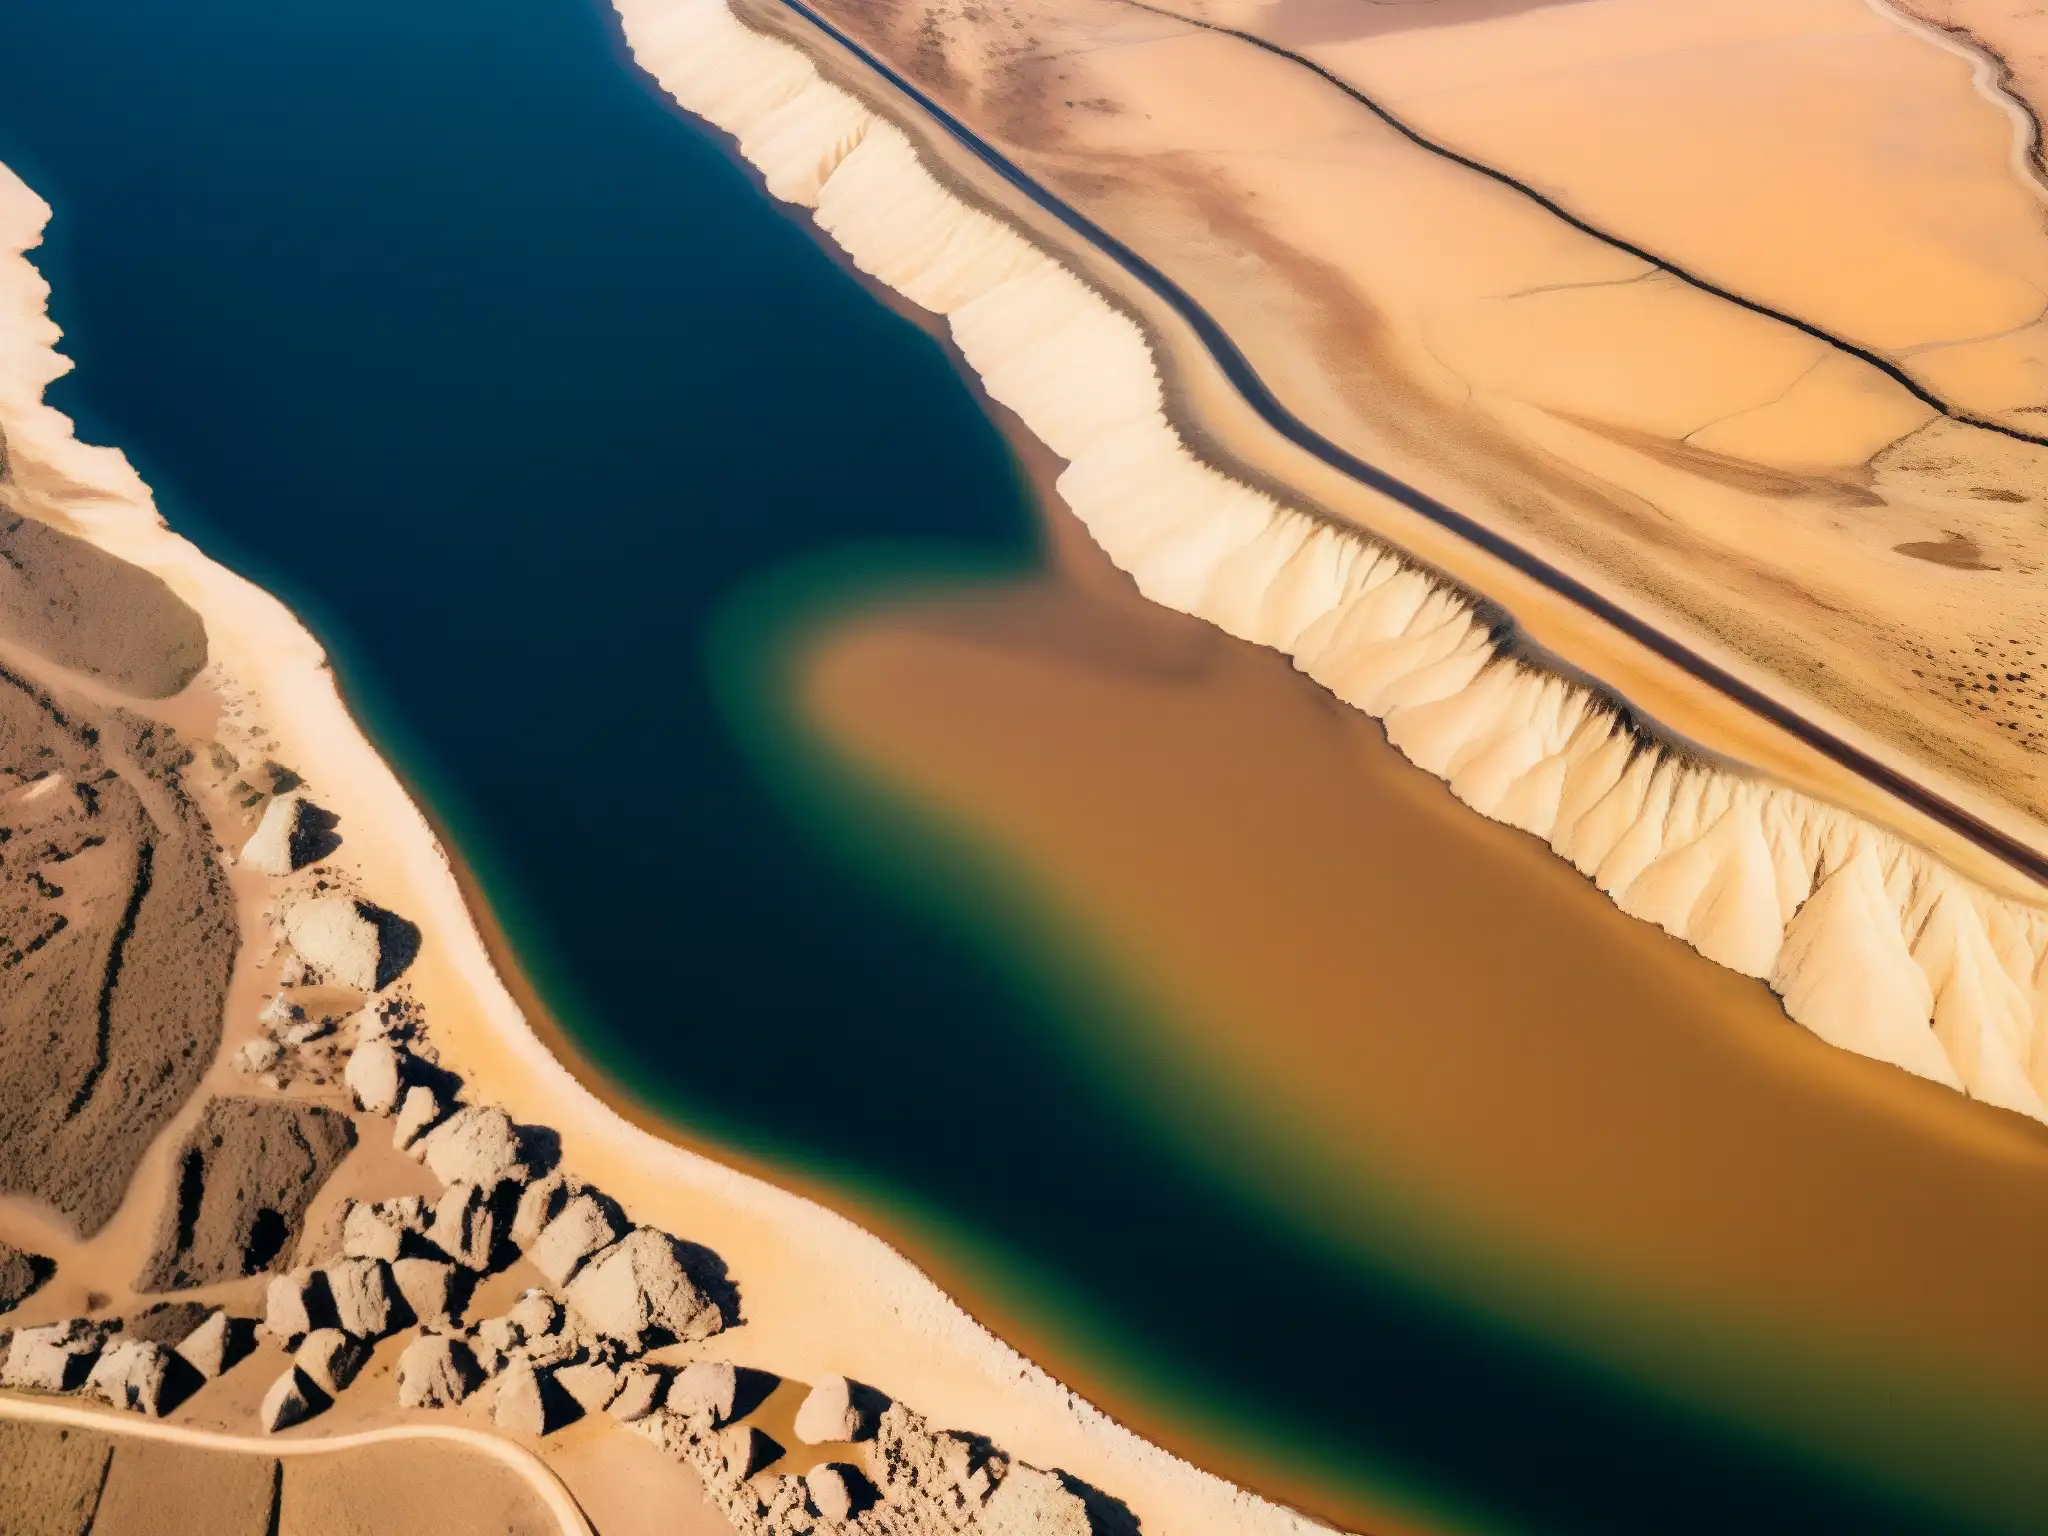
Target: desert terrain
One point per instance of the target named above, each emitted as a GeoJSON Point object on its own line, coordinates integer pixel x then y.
{"type": "Point", "coordinates": [1780, 398]}
{"type": "Point", "coordinates": [281, 1156]}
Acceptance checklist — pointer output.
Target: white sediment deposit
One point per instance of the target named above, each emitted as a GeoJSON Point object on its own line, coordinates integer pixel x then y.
{"type": "Point", "coordinates": [1875, 945]}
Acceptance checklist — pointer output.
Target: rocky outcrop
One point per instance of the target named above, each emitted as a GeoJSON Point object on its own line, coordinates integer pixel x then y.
{"type": "Point", "coordinates": [742, 1450]}
{"type": "Point", "coordinates": [642, 1388]}
{"type": "Point", "coordinates": [1035, 1503]}
{"type": "Point", "coordinates": [519, 1408]}
{"type": "Point", "coordinates": [352, 942]}
{"type": "Point", "coordinates": [293, 833]}
{"type": "Point", "coordinates": [837, 1491]}
{"type": "Point", "coordinates": [585, 1224]}
{"type": "Point", "coordinates": [539, 1203]}
{"type": "Point", "coordinates": [362, 1299]}
{"type": "Point", "coordinates": [53, 1358]}
{"type": "Point", "coordinates": [431, 1287]}
{"type": "Point", "coordinates": [466, 1225]}
{"type": "Point", "coordinates": [436, 1371]}
{"type": "Point", "coordinates": [479, 1145]}
{"type": "Point", "coordinates": [216, 1344]}
{"type": "Point", "coordinates": [706, 1389]}
{"type": "Point", "coordinates": [639, 1291]}
{"type": "Point", "coordinates": [419, 1110]}
{"type": "Point", "coordinates": [589, 1384]}
{"type": "Point", "coordinates": [295, 1304]}
{"type": "Point", "coordinates": [330, 1358]}
{"type": "Point", "coordinates": [135, 1374]}
{"type": "Point", "coordinates": [376, 1075]}
{"type": "Point", "coordinates": [838, 1410]}
{"type": "Point", "coordinates": [292, 1399]}
{"type": "Point", "coordinates": [382, 1229]}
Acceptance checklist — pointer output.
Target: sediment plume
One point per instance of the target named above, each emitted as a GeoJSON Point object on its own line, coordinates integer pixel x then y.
{"type": "Point", "coordinates": [1874, 944]}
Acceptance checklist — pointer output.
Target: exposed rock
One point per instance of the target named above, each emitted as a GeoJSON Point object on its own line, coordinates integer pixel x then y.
{"type": "Point", "coordinates": [428, 1286]}
{"type": "Point", "coordinates": [295, 1304]}
{"type": "Point", "coordinates": [837, 1491]}
{"type": "Point", "coordinates": [376, 1075]}
{"type": "Point", "coordinates": [419, 1110]}
{"type": "Point", "coordinates": [356, 943]}
{"type": "Point", "coordinates": [331, 1358]}
{"type": "Point", "coordinates": [259, 1055]}
{"type": "Point", "coordinates": [590, 1384]}
{"type": "Point", "coordinates": [291, 1400]}
{"type": "Point", "coordinates": [294, 832]}
{"type": "Point", "coordinates": [1034, 1503]}
{"type": "Point", "coordinates": [837, 1409]}
{"type": "Point", "coordinates": [585, 1224]}
{"type": "Point", "coordinates": [477, 1145]}
{"type": "Point", "coordinates": [947, 1474]}
{"type": "Point", "coordinates": [134, 1374]}
{"type": "Point", "coordinates": [638, 1291]}
{"type": "Point", "coordinates": [786, 1505]}
{"type": "Point", "coordinates": [21, 1274]}
{"type": "Point", "coordinates": [538, 1204]}
{"type": "Point", "coordinates": [465, 1226]}
{"type": "Point", "coordinates": [500, 1335]}
{"type": "Point", "coordinates": [305, 1029]}
{"type": "Point", "coordinates": [707, 1387]}
{"type": "Point", "coordinates": [379, 1230]}
{"type": "Point", "coordinates": [744, 1450]}
{"type": "Point", "coordinates": [640, 1392]}
{"type": "Point", "coordinates": [535, 1313]}
{"type": "Point", "coordinates": [520, 1407]}
{"type": "Point", "coordinates": [363, 1297]}
{"type": "Point", "coordinates": [436, 1372]}
{"type": "Point", "coordinates": [246, 1174]}
{"type": "Point", "coordinates": [216, 1344]}
{"type": "Point", "coordinates": [53, 1358]}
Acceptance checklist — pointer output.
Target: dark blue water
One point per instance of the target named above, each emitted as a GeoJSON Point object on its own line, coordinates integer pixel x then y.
{"type": "Point", "coordinates": [433, 318]}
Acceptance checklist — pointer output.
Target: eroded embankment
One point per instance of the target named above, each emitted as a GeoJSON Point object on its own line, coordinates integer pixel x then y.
{"type": "Point", "coordinates": [1875, 946]}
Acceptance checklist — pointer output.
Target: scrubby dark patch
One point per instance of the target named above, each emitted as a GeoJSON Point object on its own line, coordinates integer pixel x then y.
{"type": "Point", "coordinates": [117, 937]}
{"type": "Point", "coordinates": [78, 606]}
{"type": "Point", "coordinates": [260, 1162]}
{"type": "Point", "coordinates": [21, 1275]}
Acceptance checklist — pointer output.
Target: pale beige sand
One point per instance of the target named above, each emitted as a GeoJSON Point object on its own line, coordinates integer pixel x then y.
{"type": "Point", "coordinates": [1720, 470]}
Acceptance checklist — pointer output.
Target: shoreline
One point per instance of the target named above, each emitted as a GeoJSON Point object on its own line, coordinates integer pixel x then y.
{"type": "Point", "coordinates": [884, 1321]}
{"type": "Point", "coordinates": [1873, 942]}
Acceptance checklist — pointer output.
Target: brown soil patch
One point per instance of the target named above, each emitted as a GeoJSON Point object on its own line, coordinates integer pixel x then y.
{"type": "Point", "coordinates": [246, 1175]}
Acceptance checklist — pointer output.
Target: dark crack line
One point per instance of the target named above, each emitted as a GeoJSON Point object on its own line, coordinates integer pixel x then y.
{"type": "Point", "coordinates": [145, 864]}
{"type": "Point", "coordinates": [1259, 396]}
{"type": "Point", "coordinates": [99, 1494]}
{"type": "Point", "coordinates": [1550, 205]}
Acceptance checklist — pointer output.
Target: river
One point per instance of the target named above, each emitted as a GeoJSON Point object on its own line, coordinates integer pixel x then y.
{"type": "Point", "coordinates": [434, 318]}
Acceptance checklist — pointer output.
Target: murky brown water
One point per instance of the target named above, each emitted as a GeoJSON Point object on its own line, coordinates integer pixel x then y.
{"type": "Point", "coordinates": [1438, 1004]}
